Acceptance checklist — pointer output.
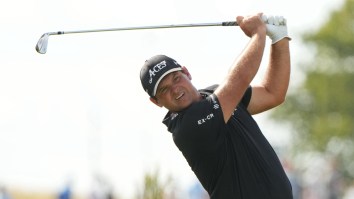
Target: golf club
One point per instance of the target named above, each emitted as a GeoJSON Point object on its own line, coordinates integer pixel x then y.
{"type": "Point", "coordinates": [42, 43]}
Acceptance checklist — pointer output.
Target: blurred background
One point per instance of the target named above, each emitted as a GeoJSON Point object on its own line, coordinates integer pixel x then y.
{"type": "Point", "coordinates": [76, 124]}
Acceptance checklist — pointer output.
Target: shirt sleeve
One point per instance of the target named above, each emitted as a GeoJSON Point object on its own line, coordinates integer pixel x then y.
{"type": "Point", "coordinates": [247, 97]}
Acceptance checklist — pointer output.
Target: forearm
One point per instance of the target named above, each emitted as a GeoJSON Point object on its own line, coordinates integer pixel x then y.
{"type": "Point", "coordinates": [277, 76]}
{"type": "Point", "coordinates": [247, 64]}
{"type": "Point", "coordinates": [240, 75]}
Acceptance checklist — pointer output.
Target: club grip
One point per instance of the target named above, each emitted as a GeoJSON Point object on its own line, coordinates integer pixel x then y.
{"type": "Point", "coordinates": [229, 23]}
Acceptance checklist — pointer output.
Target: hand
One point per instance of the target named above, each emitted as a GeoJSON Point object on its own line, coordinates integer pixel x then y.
{"type": "Point", "coordinates": [276, 28]}
{"type": "Point", "coordinates": [252, 24]}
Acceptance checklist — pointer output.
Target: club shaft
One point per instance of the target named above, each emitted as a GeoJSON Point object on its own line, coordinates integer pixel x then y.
{"type": "Point", "coordinates": [231, 23]}
{"type": "Point", "coordinates": [42, 43]}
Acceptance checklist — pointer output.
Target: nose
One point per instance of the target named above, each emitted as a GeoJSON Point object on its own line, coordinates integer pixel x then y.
{"type": "Point", "coordinates": [175, 89]}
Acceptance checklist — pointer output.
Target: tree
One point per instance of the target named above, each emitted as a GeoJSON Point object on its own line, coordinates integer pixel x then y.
{"type": "Point", "coordinates": [153, 188]}
{"type": "Point", "coordinates": [321, 109]}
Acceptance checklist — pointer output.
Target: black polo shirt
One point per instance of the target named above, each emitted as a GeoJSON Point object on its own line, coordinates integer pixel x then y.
{"type": "Point", "coordinates": [233, 160]}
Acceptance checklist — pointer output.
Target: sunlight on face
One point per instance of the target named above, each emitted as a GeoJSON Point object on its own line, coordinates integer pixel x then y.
{"type": "Point", "coordinates": [176, 92]}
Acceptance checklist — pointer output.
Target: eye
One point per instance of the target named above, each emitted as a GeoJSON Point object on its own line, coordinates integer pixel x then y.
{"type": "Point", "coordinates": [176, 78]}
{"type": "Point", "coordinates": [163, 90]}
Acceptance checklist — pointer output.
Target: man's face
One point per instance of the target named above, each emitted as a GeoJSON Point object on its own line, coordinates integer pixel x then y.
{"type": "Point", "coordinates": [176, 92]}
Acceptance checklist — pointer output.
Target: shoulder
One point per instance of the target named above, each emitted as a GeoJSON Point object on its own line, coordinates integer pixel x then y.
{"type": "Point", "coordinates": [197, 120]}
{"type": "Point", "coordinates": [209, 90]}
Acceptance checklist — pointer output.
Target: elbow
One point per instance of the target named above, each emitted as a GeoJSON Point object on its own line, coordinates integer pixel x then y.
{"type": "Point", "coordinates": [279, 100]}
{"type": "Point", "coordinates": [277, 96]}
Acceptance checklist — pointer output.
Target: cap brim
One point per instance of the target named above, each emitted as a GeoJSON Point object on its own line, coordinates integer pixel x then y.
{"type": "Point", "coordinates": [162, 76]}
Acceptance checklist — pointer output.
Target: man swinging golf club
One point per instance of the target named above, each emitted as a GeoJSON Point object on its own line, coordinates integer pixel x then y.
{"type": "Point", "coordinates": [213, 127]}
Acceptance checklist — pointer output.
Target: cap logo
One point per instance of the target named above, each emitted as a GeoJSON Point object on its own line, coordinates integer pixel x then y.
{"type": "Point", "coordinates": [157, 68]}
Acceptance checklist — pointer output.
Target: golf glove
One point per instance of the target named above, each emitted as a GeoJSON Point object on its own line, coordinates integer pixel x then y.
{"type": "Point", "coordinates": [276, 27]}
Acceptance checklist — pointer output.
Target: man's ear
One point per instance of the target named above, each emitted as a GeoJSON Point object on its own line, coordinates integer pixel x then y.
{"type": "Point", "coordinates": [155, 101]}
{"type": "Point", "coordinates": [186, 72]}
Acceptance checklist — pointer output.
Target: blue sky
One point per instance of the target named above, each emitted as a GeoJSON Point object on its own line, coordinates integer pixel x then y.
{"type": "Point", "coordinates": [80, 108]}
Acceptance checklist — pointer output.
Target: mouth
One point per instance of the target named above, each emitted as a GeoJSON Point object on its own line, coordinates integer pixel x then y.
{"type": "Point", "coordinates": [180, 96]}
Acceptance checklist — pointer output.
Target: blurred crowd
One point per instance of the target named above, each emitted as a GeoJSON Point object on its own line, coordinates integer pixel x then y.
{"type": "Point", "coordinates": [326, 182]}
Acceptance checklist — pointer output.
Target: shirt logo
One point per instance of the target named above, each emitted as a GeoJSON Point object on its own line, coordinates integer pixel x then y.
{"type": "Point", "coordinates": [157, 68]}
{"type": "Point", "coordinates": [233, 113]}
{"type": "Point", "coordinates": [173, 115]}
{"type": "Point", "coordinates": [215, 103]}
{"type": "Point", "coordinates": [208, 117]}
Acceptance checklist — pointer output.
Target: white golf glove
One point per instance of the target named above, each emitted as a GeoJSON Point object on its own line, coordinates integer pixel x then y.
{"type": "Point", "coordinates": [276, 27]}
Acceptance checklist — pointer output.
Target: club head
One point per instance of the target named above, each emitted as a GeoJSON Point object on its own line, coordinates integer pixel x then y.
{"type": "Point", "coordinates": [42, 43]}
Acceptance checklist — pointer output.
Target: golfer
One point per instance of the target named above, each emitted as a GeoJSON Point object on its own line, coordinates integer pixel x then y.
{"type": "Point", "coordinates": [214, 128]}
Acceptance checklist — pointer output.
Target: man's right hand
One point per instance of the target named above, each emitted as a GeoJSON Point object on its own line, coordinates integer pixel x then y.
{"type": "Point", "coordinates": [252, 24]}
